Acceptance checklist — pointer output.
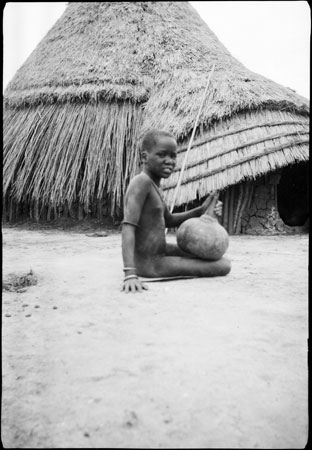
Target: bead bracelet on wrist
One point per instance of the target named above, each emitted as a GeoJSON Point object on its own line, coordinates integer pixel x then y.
{"type": "Point", "coordinates": [129, 277]}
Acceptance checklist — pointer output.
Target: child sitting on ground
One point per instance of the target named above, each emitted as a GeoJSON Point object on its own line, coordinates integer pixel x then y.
{"type": "Point", "coordinates": [145, 251]}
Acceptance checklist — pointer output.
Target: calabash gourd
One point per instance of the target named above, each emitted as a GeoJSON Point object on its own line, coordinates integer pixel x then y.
{"type": "Point", "coordinates": [203, 236]}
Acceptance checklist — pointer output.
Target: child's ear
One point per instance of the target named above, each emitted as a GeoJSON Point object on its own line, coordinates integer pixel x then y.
{"type": "Point", "coordinates": [143, 156]}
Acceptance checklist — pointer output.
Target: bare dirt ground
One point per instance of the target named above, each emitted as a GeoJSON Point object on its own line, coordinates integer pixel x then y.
{"type": "Point", "coordinates": [195, 363]}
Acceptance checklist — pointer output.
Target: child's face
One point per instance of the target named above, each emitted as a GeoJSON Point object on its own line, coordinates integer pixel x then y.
{"type": "Point", "coordinates": [161, 159]}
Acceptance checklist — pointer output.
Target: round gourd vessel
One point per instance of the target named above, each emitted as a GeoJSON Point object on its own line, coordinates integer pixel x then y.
{"type": "Point", "coordinates": [203, 237]}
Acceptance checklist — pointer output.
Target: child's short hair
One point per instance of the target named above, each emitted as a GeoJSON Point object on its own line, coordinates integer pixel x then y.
{"type": "Point", "coordinates": [150, 139]}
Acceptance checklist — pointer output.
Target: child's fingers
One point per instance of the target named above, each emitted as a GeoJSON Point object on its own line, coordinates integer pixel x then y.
{"type": "Point", "coordinates": [218, 207]}
{"type": "Point", "coordinates": [210, 202]}
{"type": "Point", "coordinates": [125, 287]}
{"type": "Point", "coordinates": [141, 286]}
{"type": "Point", "coordinates": [133, 286]}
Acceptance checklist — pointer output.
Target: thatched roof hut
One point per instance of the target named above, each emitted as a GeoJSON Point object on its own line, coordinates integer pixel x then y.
{"type": "Point", "coordinates": [108, 71]}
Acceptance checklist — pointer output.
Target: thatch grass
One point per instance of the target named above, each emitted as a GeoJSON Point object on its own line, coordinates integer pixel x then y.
{"type": "Point", "coordinates": [243, 147]}
{"type": "Point", "coordinates": [109, 71]}
{"type": "Point", "coordinates": [59, 155]}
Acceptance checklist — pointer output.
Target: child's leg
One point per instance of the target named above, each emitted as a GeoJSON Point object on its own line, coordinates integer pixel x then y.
{"type": "Point", "coordinates": [172, 266]}
{"type": "Point", "coordinates": [175, 250]}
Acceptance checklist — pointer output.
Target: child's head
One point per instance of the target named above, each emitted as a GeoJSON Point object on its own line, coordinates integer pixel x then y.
{"type": "Point", "coordinates": [151, 138]}
{"type": "Point", "coordinates": [159, 151]}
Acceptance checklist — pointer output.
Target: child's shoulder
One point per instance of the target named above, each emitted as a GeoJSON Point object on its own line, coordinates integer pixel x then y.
{"type": "Point", "coordinates": [140, 181]}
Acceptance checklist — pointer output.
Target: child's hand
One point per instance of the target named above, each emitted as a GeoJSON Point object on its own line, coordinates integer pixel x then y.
{"type": "Point", "coordinates": [218, 209]}
{"type": "Point", "coordinates": [212, 206]}
{"type": "Point", "coordinates": [133, 285]}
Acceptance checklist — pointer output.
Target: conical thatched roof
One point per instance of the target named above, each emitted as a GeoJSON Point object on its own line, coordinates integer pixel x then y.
{"type": "Point", "coordinates": [108, 71]}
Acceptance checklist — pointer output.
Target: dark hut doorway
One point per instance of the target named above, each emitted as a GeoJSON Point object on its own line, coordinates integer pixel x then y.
{"type": "Point", "coordinates": [293, 194]}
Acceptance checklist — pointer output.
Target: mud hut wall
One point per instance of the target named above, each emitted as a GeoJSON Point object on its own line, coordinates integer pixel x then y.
{"type": "Point", "coordinates": [236, 199]}
{"type": "Point", "coordinates": [251, 206]}
{"type": "Point", "coordinates": [262, 215]}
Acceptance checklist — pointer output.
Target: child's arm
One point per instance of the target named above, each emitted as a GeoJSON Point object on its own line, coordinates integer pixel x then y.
{"type": "Point", "coordinates": [174, 220]}
{"type": "Point", "coordinates": [131, 281]}
{"type": "Point", "coordinates": [210, 205]}
{"type": "Point", "coordinates": [134, 201]}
